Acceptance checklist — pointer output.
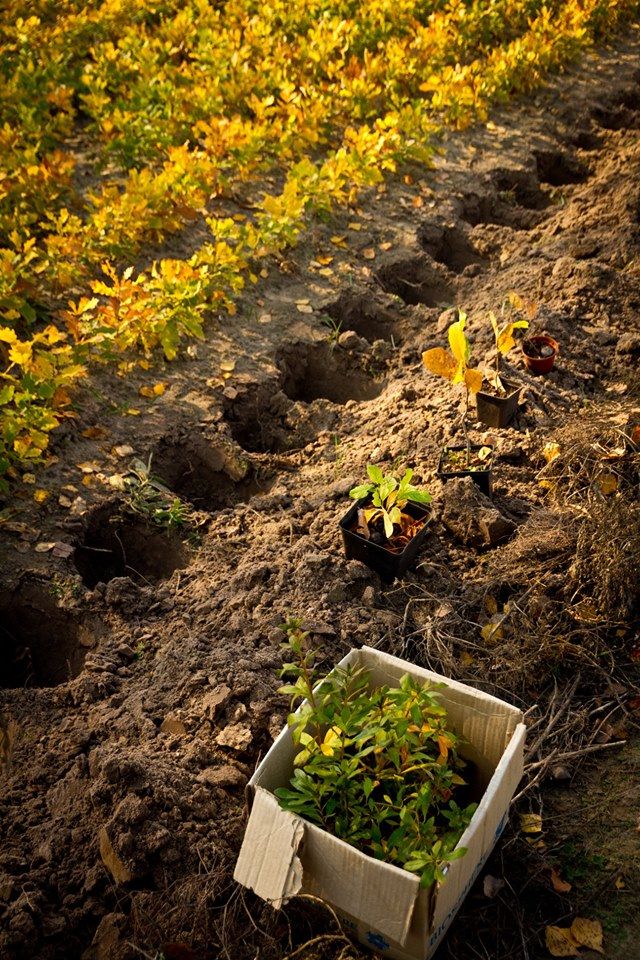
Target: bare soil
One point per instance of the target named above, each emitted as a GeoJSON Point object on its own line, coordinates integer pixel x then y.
{"type": "Point", "coordinates": [139, 666]}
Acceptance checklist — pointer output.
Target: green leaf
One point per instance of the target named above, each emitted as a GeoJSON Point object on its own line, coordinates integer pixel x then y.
{"type": "Point", "coordinates": [375, 473]}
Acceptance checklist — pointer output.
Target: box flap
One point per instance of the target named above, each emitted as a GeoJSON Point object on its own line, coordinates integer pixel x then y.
{"type": "Point", "coordinates": [379, 894]}
{"type": "Point", "coordinates": [268, 863]}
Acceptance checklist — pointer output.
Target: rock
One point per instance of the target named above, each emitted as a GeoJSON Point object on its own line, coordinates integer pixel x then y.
{"type": "Point", "coordinates": [446, 318]}
{"type": "Point", "coordinates": [471, 517]}
{"type": "Point", "coordinates": [369, 596]}
{"type": "Point", "coordinates": [349, 340]}
{"type": "Point", "coordinates": [7, 886]}
{"type": "Point", "coordinates": [629, 343]}
{"type": "Point", "coordinates": [118, 870]}
{"type": "Point", "coordinates": [225, 776]}
{"type": "Point", "coordinates": [215, 700]}
{"type": "Point", "coordinates": [235, 736]}
{"type": "Point", "coordinates": [173, 725]}
{"type": "Point", "coordinates": [106, 938]}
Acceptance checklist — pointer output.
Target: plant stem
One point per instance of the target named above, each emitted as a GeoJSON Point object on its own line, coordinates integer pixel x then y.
{"type": "Point", "coordinates": [464, 425]}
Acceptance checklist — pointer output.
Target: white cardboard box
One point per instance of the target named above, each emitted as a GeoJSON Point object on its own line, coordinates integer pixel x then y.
{"type": "Point", "coordinates": [379, 904]}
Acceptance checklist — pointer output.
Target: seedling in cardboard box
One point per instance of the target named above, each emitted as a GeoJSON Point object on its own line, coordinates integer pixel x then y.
{"type": "Point", "coordinates": [376, 768]}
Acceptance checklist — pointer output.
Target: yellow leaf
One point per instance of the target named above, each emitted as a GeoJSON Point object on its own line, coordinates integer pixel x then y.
{"type": "Point", "coordinates": [560, 943]}
{"type": "Point", "coordinates": [325, 261]}
{"type": "Point", "coordinates": [7, 335]}
{"type": "Point", "coordinates": [473, 379]}
{"type": "Point", "coordinates": [355, 226]}
{"type": "Point", "coordinates": [369, 253]}
{"type": "Point", "coordinates": [550, 451]}
{"type": "Point", "coordinates": [133, 412]}
{"type": "Point", "coordinates": [466, 659]}
{"type": "Point", "coordinates": [28, 478]}
{"type": "Point", "coordinates": [607, 483]}
{"type": "Point", "coordinates": [304, 307]}
{"type": "Point", "coordinates": [585, 610]}
{"type": "Point", "coordinates": [490, 605]}
{"type": "Point", "coordinates": [339, 241]}
{"type": "Point", "coordinates": [530, 822]}
{"type": "Point", "coordinates": [492, 631]}
{"type": "Point", "coordinates": [457, 340]}
{"type": "Point", "coordinates": [159, 389]}
{"type": "Point", "coordinates": [228, 366]}
{"type": "Point", "coordinates": [20, 353]}
{"type": "Point", "coordinates": [439, 362]}
{"type": "Point", "coordinates": [40, 495]}
{"type": "Point", "coordinates": [386, 245]}
{"type": "Point", "coordinates": [588, 933]}
{"type": "Point", "coordinates": [558, 884]}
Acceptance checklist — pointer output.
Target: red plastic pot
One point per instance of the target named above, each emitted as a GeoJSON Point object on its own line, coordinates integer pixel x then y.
{"type": "Point", "coordinates": [539, 342]}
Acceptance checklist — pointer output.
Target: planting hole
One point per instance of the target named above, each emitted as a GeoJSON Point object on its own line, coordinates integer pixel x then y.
{"type": "Point", "coordinates": [360, 312]}
{"type": "Point", "coordinates": [39, 643]}
{"type": "Point", "coordinates": [116, 545]}
{"type": "Point", "coordinates": [559, 169]}
{"type": "Point", "coordinates": [519, 185]}
{"type": "Point", "coordinates": [448, 244]}
{"type": "Point", "coordinates": [479, 208]}
{"type": "Point", "coordinates": [256, 418]}
{"type": "Point", "coordinates": [313, 371]}
{"type": "Point", "coordinates": [416, 280]}
{"type": "Point", "coordinates": [210, 475]}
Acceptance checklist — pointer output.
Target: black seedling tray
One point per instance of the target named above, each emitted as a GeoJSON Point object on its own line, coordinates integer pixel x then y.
{"type": "Point", "coordinates": [387, 565]}
{"type": "Point", "coordinates": [481, 477]}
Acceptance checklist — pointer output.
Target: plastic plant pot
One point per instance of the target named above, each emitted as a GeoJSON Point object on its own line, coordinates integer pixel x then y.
{"type": "Point", "coordinates": [533, 350]}
{"type": "Point", "coordinates": [481, 477]}
{"type": "Point", "coordinates": [386, 564]}
{"type": "Point", "coordinates": [495, 410]}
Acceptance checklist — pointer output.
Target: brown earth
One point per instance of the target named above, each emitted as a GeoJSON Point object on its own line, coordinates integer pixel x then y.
{"type": "Point", "coordinates": [140, 667]}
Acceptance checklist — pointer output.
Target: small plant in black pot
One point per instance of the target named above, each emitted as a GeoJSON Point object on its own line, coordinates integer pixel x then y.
{"type": "Point", "coordinates": [468, 459]}
{"type": "Point", "coordinates": [498, 402]}
{"type": "Point", "coordinates": [387, 525]}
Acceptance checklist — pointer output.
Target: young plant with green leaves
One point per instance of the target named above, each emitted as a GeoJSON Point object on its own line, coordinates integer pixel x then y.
{"type": "Point", "coordinates": [377, 767]}
{"type": "Point", "coordinates": [453, 365]}
{"type": "Point", "coordinates": [389, 496]}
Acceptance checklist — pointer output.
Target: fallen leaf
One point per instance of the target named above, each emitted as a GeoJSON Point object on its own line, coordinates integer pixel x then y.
{"type": "Point", "coordinates": [490, 605]}
{"type": "Point", "coordinates": [95, 433]}
{"type": "Point", "coordinates": [620, 884]}
{"type": "Point", "coordinates": [586, 611]}
{"type": "Point", "coordinates": [635, 435]}
{"type": "Point", "coordinates": [558, 884]}
{"type": "Point", "coordinates": [64, 501]}
{"type": "Point", "coordinates": [417, 202]}
{"type": "Point", "coordinates": [466, 659]}
{"type": "Point", "coordinates": [492, 886]}
{"type": "Point", "coordinates": [369, 253]}
{"type": "Point", "coordinates": [123, 450]}
{"type": "Point", "coordinates": [588, 933]}
{"type": "Point", "coordinates": [386, 245]}
{"type": "Point", "coordinates": [132, 412]}
{"type": "Point", "coordinates": [325, 261]}
{"type": "Point", "coordinates": [550, 451]}
{"type": "Point", "coordinates": [560, 943]}
{"type": "Point", "coordinates": [339, 241]}
{"type": "Point", "coordinates": [355, 226]}
{"type": "Point", "coordinates": [43, 547]}
{"type": "Point", "coordinates": [228, 366]}
{"type": "Point", "coordinates": [326, 272]}
{"type": "Point", "coordinates": [151, 392]}
{"type": "Point", "coordinates": [607, 483]}
{"type": "Point", "coordinates": [28, 478]}
{"type": "Point", "coordinates": [41, 495]}
{"type": "Point", "coordinates": [64, 550]}
{"type": "Point", "coordinates": [492, 631]}
{"type": "Point", "coordinates": [304, 307]}
{"type": "Point", "coordinates": [264, 318]}
{"type": "Point", "coordinates": [530, 822]}
{"type": "Point", "coordinates": [264, 273]}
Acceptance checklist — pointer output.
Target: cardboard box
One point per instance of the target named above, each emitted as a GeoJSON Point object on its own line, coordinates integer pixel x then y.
{"type": "Point", "coordinates": [379, 904]}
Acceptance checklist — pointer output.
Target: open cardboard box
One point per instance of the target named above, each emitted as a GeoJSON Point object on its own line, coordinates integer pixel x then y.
{"type": "Point", "coordinates": [379, 904]}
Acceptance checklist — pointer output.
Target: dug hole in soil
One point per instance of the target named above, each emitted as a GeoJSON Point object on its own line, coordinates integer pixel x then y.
{"type": "Point", "coordinates": [139, 683]}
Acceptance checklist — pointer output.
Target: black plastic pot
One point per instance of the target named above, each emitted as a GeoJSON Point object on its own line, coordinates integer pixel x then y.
{"type": "Point", "coordinates": [498, 411]}
{"type": "Point", "coordinates": [387, 565]}
{"type": "Point", "coordinates": [481, 477]}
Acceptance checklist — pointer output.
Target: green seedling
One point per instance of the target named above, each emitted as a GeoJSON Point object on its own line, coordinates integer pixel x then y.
{"type": "Point", "coordinates": [388, 496]}
{"type": "Point", "coordinates": [376, 767]}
